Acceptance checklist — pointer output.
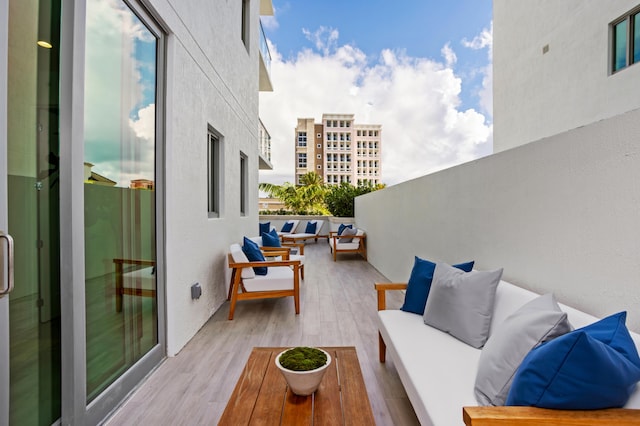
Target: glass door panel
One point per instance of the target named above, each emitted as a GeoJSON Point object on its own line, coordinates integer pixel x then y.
{"type": "Point", "coordinates": [119, 191]}
{"type": "Point", "coordinates": [33, 210]}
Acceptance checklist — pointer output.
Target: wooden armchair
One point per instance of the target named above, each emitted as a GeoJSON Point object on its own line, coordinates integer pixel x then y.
{"type": "Point", "coordinates": [356, 245]}
{"type": "Point", "coordinates": [282, 278]}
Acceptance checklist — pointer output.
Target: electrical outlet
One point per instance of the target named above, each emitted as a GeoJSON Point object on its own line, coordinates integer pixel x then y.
{"type": "Point", "coordinates": [196, 291]}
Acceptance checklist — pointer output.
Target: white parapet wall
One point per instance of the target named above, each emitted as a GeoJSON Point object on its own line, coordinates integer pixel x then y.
{"type": "Point", "coordinates": [560, 215]}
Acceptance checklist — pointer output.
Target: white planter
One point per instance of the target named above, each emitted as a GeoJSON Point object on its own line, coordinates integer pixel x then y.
{"type": "Point", "coordinates": [303, 383]}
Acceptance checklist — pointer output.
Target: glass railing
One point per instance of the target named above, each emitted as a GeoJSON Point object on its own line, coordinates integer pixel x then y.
{"type": "Point", "coordinates": [264, 50]}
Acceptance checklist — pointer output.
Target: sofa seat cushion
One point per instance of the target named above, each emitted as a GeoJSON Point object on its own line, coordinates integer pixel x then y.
{"type": "Point", "coordinates": [345, 246]}
{"type": "Point", "coordinates": [437, 370]}
{"type": "Point", "coordinates": [277, 278]}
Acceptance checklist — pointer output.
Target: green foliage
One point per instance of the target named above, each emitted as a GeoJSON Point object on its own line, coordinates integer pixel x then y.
{"type": "Point", "coordinates": [307, 198]}
{"type": "Point", "coordinates": [339, 198]}
{"type": "Point", "coordinates": [303, 358]}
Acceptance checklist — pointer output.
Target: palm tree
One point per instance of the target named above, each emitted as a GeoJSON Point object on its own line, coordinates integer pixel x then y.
{"type": "Point", "coordinates": [307, 197]}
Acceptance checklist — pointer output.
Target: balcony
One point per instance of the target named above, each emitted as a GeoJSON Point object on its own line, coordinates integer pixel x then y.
{"type": "Point", "coordinates": [265, 64]}
{"type": "Point", "coordinates": [265, 148]}
{"type": "Point", "coordinates": [194, 386]}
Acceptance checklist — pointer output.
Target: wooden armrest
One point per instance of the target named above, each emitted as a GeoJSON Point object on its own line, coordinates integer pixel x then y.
{"type": "Point", "coordinates": [267, 263]}
{"type": "Point", "coordinates": [382, 296]}
{"type": "Point", "coordinates": [532, 416]}
{"type": "Point", "coordinates": [291, 245]}
{"type": "Point", "coordinates": [276, 251]}
{"type": "Point", "coordinates": [134, 262]}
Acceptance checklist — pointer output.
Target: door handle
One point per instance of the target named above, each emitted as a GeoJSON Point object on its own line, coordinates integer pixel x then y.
{"type": "Point", "coordinates": [9, 287]}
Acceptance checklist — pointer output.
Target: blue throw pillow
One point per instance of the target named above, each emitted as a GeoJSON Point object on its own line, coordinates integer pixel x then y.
{"type": "Point", "coordinates": [287, 227]}
{"type": "Point", "coordinates": [253, 253]}
{"type": "Point", "coordinates": [415, 298]}
{"type": "Point", "coordinates": [311, 228]}
{"type": "Point", "coordinates": [342, 227]}
{"type": "Point", "coordinates": [264, 227]}
{"type": "Point", "coordinates": [271, 239]}
{"type": "Point", "coordinates": [593, 367]}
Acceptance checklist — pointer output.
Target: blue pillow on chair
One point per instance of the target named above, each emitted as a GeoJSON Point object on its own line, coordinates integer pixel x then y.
{"type": "Point", "coordinates": [254, 254]}
{"type": "Point", "coordinates": [415, 298]}
{"type": "Point", "coordinates": [264, 227]}
{"type": "Point", "coordinates": [342, 227]}
{"type": "Point", "coordinates": [593, 367]}
{"type": "Point", "coordinates": [287, 227]}
{"type": "Point", "coordinates": [271, 239]}
{"type": "Point", "coordinates": [311, 228]}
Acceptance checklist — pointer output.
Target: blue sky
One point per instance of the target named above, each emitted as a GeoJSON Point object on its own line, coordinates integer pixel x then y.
{"type": "Point", "coordinates": [420, 68]}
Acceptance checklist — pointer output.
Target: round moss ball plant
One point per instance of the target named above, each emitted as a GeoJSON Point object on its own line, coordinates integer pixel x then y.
{"type": "Point", "coordinates": [303, 368]}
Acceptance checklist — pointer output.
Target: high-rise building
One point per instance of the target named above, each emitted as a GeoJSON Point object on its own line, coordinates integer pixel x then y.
{"type": "Point", "coordinates": [339, 150]}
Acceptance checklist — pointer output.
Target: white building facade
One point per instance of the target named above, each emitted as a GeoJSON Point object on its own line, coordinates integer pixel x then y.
{"type": "Point", "coordinates": [95, 288]}
{"type": "Point", "coordinates": [557, 206]}
{"type": "Point", "coordinates": [555, 64]}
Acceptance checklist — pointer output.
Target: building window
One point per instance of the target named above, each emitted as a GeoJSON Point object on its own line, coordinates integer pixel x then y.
{"type": "Point", "coordinates": [244, 34]}
{"type": "Point", "coordinates": [302, 161]}
{"type": "Point", "coordinates": [319, 167]}
{"type": "Point", "coordinates": [302, 138]}
{"type": "Point", "coordinates": [244, 179]}
{"type": "Point", "coordinates": [625, 41]}
{"type": "Point", "coordinates": [319, 156]}
{"type": "Point", "coordinates": [319, 136]}
{"type": "Point", "coordinates": [214, 165]}
{"type": "Point", "coordinates": [319, 146]}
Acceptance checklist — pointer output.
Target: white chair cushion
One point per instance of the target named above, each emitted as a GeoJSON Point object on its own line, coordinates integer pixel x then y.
{"type": "Point", "coordinates": [238, 256]}
{"type": "Point", "coordinates": [277, 278]}
{"type": "Point", "coordinates": [144, 278]}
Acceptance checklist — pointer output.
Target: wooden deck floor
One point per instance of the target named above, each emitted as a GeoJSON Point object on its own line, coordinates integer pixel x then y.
{"type": "Point", "coordinates": [338, 308]}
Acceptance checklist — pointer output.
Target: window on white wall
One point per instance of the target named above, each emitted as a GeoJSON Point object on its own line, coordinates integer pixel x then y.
{"type": "Point", "coordinates": [244, 34]}
{"type": "Point", "coordinates": [625, 41]}
{"type": "Point", "coordinates": [214, 171]}
{"type": "Point", "coordinates": [244, 179]}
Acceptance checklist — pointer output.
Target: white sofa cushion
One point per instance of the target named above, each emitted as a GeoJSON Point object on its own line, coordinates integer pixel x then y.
{"type": "Point", "coordinates": [437, 370]}
{"type": "Point", "coordinates": [238, 256]}
{"type": "Point", "coordinates": [277, 278]}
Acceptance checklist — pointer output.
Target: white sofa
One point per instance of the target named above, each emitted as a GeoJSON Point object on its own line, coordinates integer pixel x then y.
{"type": "Point", "coordinates": [438, 371]}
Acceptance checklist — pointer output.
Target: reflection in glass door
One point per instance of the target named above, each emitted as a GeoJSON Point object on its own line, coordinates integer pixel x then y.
{"type": "Point", "coordinates": [119, 191]}
{"type": "Point", "coordinates": [33, 210]}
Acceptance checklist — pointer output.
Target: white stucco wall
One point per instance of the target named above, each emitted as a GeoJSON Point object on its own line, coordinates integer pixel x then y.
{"type": "Point", "coordinates": [559, 215]}
{"type": "Point", "coordinates": [540, 95]}
{"type": "Point", "coordinates": [211, 81]}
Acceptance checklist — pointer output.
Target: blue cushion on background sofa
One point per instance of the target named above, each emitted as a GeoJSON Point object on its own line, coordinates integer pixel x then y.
{"type": "Point", "coordinates": [415, 298]}
{"type": "Point", "coordinates": [287, 227]}
{"type": "Point", "coordinates": [593, 367]}
{"type": "Point", "coordinates": [342, 227]}
{"type": "Point", "coordinates": [271, 239]}
{"type": "Point", "coordinates": [253, 253]}
{"type": "Point", "coordinates": [264, 227]}
{"type": "Point", "coordinates": [311, 228]}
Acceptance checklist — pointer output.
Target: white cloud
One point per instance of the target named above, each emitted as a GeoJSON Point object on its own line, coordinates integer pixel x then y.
{"type": "Point", "coordinates": [449, 56]}
{"type": "Point", "coordinates": [416, 100]}
{"type": "Point", "coordinates": [484, 41]}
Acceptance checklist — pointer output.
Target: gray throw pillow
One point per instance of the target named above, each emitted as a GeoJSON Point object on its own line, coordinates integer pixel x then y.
{"type": "Point", "coordinates": [536, 322]}
{"type": "Point", "coordinates": [345, 233]}
{"type": "Point", "coordinates": [461, 303]}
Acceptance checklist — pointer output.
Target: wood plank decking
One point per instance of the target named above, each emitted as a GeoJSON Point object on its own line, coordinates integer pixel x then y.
{"type": "Point", "coordinates": [338, 308]}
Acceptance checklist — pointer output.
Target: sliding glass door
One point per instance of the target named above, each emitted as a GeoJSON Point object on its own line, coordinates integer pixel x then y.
{"type": "Point", "coordinates": [109, 327]}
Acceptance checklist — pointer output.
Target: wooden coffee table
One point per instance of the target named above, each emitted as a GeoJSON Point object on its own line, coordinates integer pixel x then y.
{"type": "Point", "coordinates": [262, 397]}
